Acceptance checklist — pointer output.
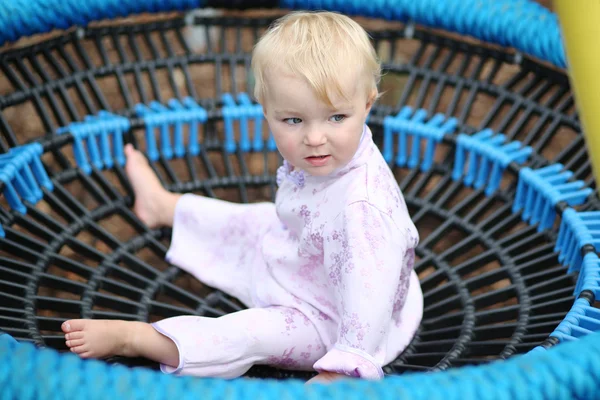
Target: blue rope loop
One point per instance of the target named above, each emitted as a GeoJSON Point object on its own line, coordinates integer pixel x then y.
{"type": "Point", "coordinates": [242, 110]}
{"type": "Point", "coordinates": [414, 124]}
{"type": "Point", "coordinates": [23, 175]}
{"type": "Point", "coordinates": [95, 134]}
{"type": "Point", "coordinates": [565, 371]}
{"type": "Point", "coordinates": [576, 230]}
{"type": "Point", "coordinates": [522, 24]}
{"type": "Point", "coordinates": [589, 275]}
{"type": "Point", "coordinates": [582, 320]}
{"type": "Point", "coordinates": [170, 121]}
{"type": "Point", "coordinates": [488, 156]}
{"type": "Point", "coordinates": [6, 336]}
{"type": "Point", "coordinates": [19, 18]}
{"type": "Point", "coordinates": [538, 192]}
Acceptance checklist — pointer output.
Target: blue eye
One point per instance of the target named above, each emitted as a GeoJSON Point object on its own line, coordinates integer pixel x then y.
{"type": "Point", "coordinates": [292, 121]}
{"type": "Point", "coordinates": [338, 118]}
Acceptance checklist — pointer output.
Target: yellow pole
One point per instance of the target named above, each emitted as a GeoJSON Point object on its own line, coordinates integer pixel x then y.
{"type": "Point", "coordinates": [580, 23]}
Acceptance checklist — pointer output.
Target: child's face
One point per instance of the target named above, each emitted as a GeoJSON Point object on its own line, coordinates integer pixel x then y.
{"type": "Point", "coordinates": [309, 134]}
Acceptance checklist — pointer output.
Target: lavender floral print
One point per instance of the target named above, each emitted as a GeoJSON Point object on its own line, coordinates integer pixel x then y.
{"type": "Point", "coordinates": [326, 271]}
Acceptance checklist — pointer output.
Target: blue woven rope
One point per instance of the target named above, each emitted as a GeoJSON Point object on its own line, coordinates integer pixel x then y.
{"type": "Point", "coordinates": [20, 18]}
{"type": "Point", "coordinates": [538, 192]}
{"type": "Point", "coordinates": [172, 118]}
{"type": "Point", "coordinates": [488, 156]}
{"type": "Point", "coordinates": [581, 320]}
{"type": "Point", "coordinates": [567, 371]}
{"type": "Point", "coordinates": [521, 24]}
{"type": "Point", "coordinates": [414, 124]}
{"type": "Point", "coordinates": [23, 175]}
{"type": "Point", "coordinates": [95, 134]}
{"type": "Point", "coordinates": [589, 275]}
{"type": "Point", "coordinates": [576, 230]}
{"type": "Point", "coordinates": [242, 109]}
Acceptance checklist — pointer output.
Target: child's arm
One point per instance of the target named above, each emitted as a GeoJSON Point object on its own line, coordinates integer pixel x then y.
{"type": "Point", "coordinates": [364, 251]}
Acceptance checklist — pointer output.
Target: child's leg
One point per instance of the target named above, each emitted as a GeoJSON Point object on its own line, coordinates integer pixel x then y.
{"type": "Point", "coordinates": [154, 205]}
{"type": "Point", "coordinates": [104, 338]}
{"type": "Point", "coordinates": [223, 347]}
{"type": "Point", "coordinates": [228, 346]}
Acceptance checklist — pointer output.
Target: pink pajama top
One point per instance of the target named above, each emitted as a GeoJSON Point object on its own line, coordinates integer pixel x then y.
{"type": "Point", "coordinates": [339, 249]}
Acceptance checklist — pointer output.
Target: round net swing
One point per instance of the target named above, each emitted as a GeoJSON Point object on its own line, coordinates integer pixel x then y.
{"type": "Point", "coordinates": [484, 141]}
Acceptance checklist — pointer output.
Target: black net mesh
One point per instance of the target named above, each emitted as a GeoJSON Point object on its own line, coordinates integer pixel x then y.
{"type": "Point", "coordinates": [493, 286]}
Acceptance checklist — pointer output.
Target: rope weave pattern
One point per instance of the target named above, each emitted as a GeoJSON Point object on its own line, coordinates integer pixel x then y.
{"type": "Point", "coordinates": [522, 24]}
{"type": "Point", "coordinates": [564, 372]}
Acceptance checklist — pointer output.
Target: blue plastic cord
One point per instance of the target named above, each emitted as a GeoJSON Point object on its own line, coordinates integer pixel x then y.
{"type": "Point", "coordinates": [589, 275]}
{"type": "Point", "coordinates": [172, 119]}
{"type": "Point", "coordinates": [231, 112]}
{"type": "Point", "coordinates": [566, 371]}
{"type": "Point", "coordinates": [522, 24]}
{"type": "Point", "coordinates": [23, 175]}
{"type": "Point", "coordinates": [6, 336]}
{"type": "Point", "coordinates": [242, 110]}
{"type": "Point", "coordinates": [488, 157]}
{"type": "Point", "coordinates": [538, 192]}
{"type": "Point", "coordinates": [414, 123]}
{"type": "Point", "coordinates": [20, 18]}
{"type": "Point", "coordinates": [95, 134]}
{"type": "Point", "coordinates": [576, 230]}
{"type": "Point", "coordinates": [582, 320]}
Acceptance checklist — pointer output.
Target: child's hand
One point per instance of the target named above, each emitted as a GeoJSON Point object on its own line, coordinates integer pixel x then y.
{"type": "Point", "coordinates": [326, 377]}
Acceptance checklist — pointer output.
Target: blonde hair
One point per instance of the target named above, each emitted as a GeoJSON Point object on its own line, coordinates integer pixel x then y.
{"type": "Point", "coordinates": [319, 47]}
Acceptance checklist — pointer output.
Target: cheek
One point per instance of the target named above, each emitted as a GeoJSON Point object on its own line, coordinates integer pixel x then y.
{"type": "Point", "coordinates": [285, 143]}
{"type": "Point", "coordinates": [289, 147]}
{"type": "Point", "coordinates": [351, 148]}
{"type": "Point", "coordinates": [350, 143]}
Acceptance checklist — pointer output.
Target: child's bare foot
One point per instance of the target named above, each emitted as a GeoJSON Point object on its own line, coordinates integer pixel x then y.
{"type": "Point", "coordinates": [100, 338]}
{"type": "Point", "coordinates": [154, 205]}
{"type": "Point", "coordinates": [104, 338]}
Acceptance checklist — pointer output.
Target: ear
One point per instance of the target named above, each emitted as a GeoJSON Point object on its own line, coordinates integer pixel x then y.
{"type": "Point", "coordinates": [370, 101]}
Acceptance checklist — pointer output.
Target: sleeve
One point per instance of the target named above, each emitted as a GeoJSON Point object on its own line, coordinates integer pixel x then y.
{"type": "Point", "coordinates": [363, 256]}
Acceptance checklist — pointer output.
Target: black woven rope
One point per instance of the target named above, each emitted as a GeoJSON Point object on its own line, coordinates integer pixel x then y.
{"type": "Point", "coordinates": [493, 286]}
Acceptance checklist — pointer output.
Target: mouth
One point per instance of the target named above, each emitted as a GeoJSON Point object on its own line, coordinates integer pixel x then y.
{"type": "Point", "coordinates": [318, 161]}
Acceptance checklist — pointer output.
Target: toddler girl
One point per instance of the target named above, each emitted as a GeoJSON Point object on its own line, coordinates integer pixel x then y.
{"type": "Point", "coordinates": [326, 271]}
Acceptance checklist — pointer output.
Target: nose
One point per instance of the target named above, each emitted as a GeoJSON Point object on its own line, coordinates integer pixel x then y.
{"type": "Point", "coordinates": [314, 137]}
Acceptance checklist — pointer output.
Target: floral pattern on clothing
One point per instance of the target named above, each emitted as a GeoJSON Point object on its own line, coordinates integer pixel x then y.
{"type": "Point", "coordinates": [333, 255]}
{"type": "Point", "coordinates": [285, 360]}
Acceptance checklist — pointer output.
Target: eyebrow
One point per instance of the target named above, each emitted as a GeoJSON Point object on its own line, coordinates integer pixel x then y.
{"type": "Point", "coordinates": [341, 110]}
{"type": "Point", "coordinates": [285, 112]}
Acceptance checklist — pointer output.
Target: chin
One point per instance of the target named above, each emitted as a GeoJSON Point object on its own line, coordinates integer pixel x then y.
{"type": "Point", "coordinates": [322, 171]}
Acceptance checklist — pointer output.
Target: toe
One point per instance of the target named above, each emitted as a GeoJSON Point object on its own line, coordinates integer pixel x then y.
{"type": "Point", "coordinates": [75, 343]}
{"type": "Point", "coordinates": [73, 325]}
{"type": "Point", "coordinates": [74, 335]}
{"type": "Point", "coordinates": [66, 327]}
{"type": "Point", "coordinates": [79, 349]}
